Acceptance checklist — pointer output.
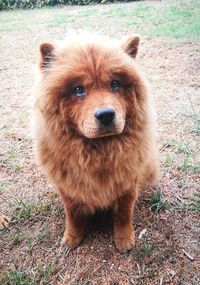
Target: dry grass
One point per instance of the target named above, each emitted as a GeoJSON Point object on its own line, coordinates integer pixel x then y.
{"type": "Point", "coordinates": [167, 218]}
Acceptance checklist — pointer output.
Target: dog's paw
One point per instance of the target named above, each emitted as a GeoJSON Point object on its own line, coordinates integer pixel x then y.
{"type": "Point", "coordinates": [125, 243]}
{"type": "Point", "coordinates": [4, 222]}
{"type": "Point", "coordinates": [71, 240]}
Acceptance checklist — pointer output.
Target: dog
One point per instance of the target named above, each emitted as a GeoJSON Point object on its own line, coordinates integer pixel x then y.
{"type": "Point", "coordinates": [94, 130]}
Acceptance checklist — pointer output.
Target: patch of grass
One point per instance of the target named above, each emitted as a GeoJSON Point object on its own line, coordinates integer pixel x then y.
{"type": "Point", "coordinates": [145, 250]}
{"type": "Point", "coordinates": [168, 160]}
{"type": "Point", "coordinates": [196, 128]}
{"type": "Point", "coordinates": [178, 146]}
{"type": "Point", "coordinates": [16, 277]}
{"type": "Point", "coordinates": [194, 204]}
{"type": "Point", "coordinates": [157, 201]}
{"type": "Point", "coordinates": [3, 185]}
{"type": "Point", "coordinates": [186, 163]}
{"type": "Point", "coordinates": [42, 237]}
{"type": "Point", "coordinates": [58, 211]}
{"type": "Point", "coordinates": [10, 160]}
{"type": "Point", "coordinates": [56, 20]}
{"type": "Point", "coordinates": [24, 209]}
{"type": "Point", "coordinates": [34, 277]}
{"type": "Point", "coordinates": [88, 11]}
{"type": "Point", "coordinates": [183, 148]}
{"type": "Point", "coordinates": [17, 238]}
{"type": "Point", "coordinates": [178, 19]}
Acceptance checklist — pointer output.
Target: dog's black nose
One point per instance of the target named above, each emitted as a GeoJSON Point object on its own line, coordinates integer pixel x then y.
{"type": "Point", "coordinates": [105, 116]}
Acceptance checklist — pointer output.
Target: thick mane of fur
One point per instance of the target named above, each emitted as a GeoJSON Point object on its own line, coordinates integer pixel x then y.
{"type": "Point", "coordinates": [93, 172]}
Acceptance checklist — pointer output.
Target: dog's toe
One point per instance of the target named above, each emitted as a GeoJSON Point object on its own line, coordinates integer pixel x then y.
{"type": "Point", "coordinates": [4, 222]}
{"type": "Point", "coordinates": [71, 241]}
{"type": "Point", "coordinates": [124, 244]}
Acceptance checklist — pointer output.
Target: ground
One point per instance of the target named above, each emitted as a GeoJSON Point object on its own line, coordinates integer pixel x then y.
{"type": "Point", "coordinates": [167, 218]}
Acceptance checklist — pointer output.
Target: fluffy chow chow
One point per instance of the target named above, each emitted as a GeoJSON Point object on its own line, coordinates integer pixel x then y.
{"type": "Point", "coordinates": [94, 130]}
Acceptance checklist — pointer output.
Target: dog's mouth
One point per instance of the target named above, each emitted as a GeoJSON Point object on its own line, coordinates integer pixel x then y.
{"type": "Point", "coordinates": [100, 132]}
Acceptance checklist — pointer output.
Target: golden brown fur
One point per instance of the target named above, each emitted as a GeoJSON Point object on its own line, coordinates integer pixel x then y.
{"type": "Point", "coordinates": [94, 167]}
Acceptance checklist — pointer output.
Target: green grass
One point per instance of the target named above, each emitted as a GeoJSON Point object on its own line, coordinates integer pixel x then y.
{"type": "Point", "coordinates": [10, 160]}
{"type": "Point", "coordinates": [15, 277]}
{"type": "Point", "coordinates": [157, 201]}
{"type": "Point", "coordinates": [37, 276]}
{"type": "Point", "coordinates": [192, 205]}
{"type": "Point", "coordinates": [177, 19]}
{"type": "Point", "coordinates": [17, 238]}
{"type": "Point", "coordinates": [3, 185]}
{"type": "Point", "coordinates": [24, 209]}
{"type": "Point", "coordinates": [168, 159]}
{"type": "Point", "coordinates": [43, 237]}
{"type": "Point", "coordinates": [180, 155]}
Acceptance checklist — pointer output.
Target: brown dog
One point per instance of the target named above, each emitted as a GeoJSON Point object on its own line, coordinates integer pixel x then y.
{"type": "Point", "coordinates": [94, 130]}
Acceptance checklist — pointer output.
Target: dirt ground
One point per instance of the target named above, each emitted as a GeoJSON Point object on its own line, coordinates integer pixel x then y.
{"type": "Point", "coordinates": [168, 240]}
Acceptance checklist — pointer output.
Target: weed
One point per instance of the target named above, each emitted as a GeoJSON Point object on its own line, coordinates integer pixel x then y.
{"type": "Point", "coordinates": [146, 249]}
{"type": "Point", "coordinates": [21, 277]}
{"type": "Point", "coordinates": [168, 160]}
{"type": "Point", "coordinates": [58, 211]}
{"type": "Point", "coordinates": [24, 209]}
{"type": "Point", "coordinates": [15, 277]}
{"type": "Point", "coordinates": [196, 128]}
{"type": "Point", "coordinates": [43, 236]}
{"type": "Point", "coordinates": [16, 239]}
{"type": "Point", "coordinates": [157, 202]}
{"type": "Point", "coordinates": [3, 185]}
{"type": "Point", "coordinates": [186, 163]}
{"type": "Point", "coordinates": [194, 204]}
{"type": "Point", "coordinates": [9, 160]}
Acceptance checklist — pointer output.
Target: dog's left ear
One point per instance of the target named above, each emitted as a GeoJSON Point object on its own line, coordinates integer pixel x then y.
{"type": "Point", "coordinates": [46, 55]}
{"type": "Point", "coordinates": [130, 45]}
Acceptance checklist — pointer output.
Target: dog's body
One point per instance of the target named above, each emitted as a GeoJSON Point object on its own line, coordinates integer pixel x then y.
{"type": "Point", "coordinates": [94, 131]}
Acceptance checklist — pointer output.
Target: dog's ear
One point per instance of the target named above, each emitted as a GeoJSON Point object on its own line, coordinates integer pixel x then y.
{"type": "Point", "coordinates": [131, 44]}
{"type": "Point", "coordinates": [46, 55]}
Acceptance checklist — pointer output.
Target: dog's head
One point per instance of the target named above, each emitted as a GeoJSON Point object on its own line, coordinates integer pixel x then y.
{"type": "Point", "coordinates": [91, 86]}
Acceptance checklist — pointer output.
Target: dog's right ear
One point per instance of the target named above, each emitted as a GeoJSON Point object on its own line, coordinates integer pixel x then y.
{"type": "Point", "coordinates": [131, 44]}
{"type": "Point", "coordinates": [46, 55]}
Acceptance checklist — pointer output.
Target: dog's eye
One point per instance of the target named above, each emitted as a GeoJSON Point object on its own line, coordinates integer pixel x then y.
{"type": "Point", "coordinates": [80, 91]}
{"type": "Point", "coordinates": [115, 85]}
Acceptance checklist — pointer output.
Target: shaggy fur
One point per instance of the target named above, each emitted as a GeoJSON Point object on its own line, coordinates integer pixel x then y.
{"type": "Point", "coordinates": [94, 168]}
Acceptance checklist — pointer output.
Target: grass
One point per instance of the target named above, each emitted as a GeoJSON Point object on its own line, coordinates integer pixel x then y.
{"type": "Point", "coordinates": [192, 205]}
{"type": "Point", "coordinates": [43, 237]}
{"type": "Point", "coordinates": [11, 160]}
{"type": "Point", "coordinates": [17, 238]}
{"type": "Point", "coordinates": [24, 209]}
{"type": "Point", "coordinates": [180, 155]}
{"type": "Point", "coordinates": [3, 185]}
{"type": "Point", "coordinates": [157, 201]}
{"type": "Point", "coordinates": [41, 276]}
{"type": "Point", "coordinates": [178, 20]}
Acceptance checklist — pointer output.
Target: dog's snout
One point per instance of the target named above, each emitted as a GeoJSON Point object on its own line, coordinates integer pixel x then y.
{"type": "Point", "coordinates": [105, 116]}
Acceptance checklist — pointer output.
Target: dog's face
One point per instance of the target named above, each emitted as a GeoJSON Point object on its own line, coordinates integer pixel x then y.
{"type": "Point", "coordinates": [90, 87]}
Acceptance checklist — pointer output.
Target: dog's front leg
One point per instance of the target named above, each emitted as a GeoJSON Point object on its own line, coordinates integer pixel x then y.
{"type": "Point", "coordinates": [124, 234]}
{"type": "Point", "coordinates": [75, 223]}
